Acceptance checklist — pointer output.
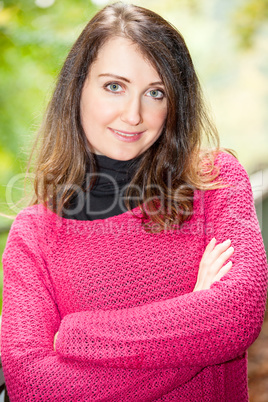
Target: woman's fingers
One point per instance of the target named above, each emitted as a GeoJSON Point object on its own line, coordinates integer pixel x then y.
{"type": "Point", "coordinates": [218, 250]}
{"type": "Point", "coordinates": [209, 247]}
{"type": "Point", "coordinates": [54, 342]}
{"type": "Point", "coordinates": [213, 263]}
{"type": "Point", "coordinates": [223, 271]}
{"type": "Point", "coordinates": [221, 260]}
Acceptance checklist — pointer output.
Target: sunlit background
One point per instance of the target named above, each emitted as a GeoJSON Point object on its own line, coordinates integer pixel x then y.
{"type": "Point", "coordinates": [228, 41]}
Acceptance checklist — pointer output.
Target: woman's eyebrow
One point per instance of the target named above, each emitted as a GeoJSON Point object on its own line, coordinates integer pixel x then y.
{"type": "Point", "coordinates": [119, 77]}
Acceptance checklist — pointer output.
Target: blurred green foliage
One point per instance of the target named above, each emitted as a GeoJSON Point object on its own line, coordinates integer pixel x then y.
{"type": "Point", "coordinates": [248, 19]}
{"type": "Point", "coordinates": [34, 42]}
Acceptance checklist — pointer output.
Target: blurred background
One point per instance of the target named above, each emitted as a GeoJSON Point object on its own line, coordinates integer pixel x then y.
{"type": "Point", "coordinates": [228, 41]}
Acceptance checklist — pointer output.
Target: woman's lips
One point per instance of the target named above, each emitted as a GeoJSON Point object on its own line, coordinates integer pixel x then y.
{"type": "Point", "coordinates": [126, 135]}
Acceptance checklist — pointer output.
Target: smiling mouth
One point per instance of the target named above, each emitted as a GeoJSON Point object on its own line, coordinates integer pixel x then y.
{"type": "Point", "coordinates": [125, 134]}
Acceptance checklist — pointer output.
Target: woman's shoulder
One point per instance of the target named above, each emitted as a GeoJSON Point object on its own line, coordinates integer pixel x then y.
{"type": "Point", "coordinates": [227, 169]}
{"type": "Point", "coordinates": [32, 218]}
{"type": "Point", "coordinates": [32, 229]}
{"type": "Point", "coordinates": [231, 181]}
{"type": "Point", "coordinates": [226, 179]}
{"type": "Point", "coordinates": [229, 165]}
{"type": "Point", "coordinates": [34, 212]}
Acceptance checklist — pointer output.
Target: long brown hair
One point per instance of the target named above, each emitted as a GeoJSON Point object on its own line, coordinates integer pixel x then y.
{"type": "Point", "coordinates": [172, 167]}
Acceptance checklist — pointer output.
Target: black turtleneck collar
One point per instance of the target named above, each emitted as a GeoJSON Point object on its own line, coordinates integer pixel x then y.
{"type": "Point", "coordinates": [106, 198]}
{"type": "Point", "coordinates": [113, 174]}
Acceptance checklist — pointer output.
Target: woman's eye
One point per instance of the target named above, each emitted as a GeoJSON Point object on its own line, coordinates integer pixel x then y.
{"type": "Point", "coordinates": [113, 87]}
{"type": "Point", "coordinates": [156, 94]}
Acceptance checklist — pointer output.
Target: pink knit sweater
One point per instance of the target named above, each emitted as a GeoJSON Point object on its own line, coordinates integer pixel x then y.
{"type": "Point", "coordinates": [130, 327]}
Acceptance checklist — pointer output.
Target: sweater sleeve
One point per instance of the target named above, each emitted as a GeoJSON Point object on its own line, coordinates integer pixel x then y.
{"type": "Point", "coordinates": [196, 329]}
{"type": "Point", "coordinates": [30, 318]}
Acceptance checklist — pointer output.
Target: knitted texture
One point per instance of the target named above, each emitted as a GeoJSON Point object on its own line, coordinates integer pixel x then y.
{"type": "Point", "coordinates": [130, 326]}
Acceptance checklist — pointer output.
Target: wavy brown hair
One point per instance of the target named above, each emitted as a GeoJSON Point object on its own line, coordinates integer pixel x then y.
{"type": "Point", "coordinates": [171, 168]}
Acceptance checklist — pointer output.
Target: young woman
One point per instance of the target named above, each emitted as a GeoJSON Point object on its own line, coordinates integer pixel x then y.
{"type": "Point", "coordinates": [118, 283]}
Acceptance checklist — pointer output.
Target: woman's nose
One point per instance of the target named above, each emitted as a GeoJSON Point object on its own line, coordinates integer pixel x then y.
{"type": "Point", "coordinates": [132, 113]}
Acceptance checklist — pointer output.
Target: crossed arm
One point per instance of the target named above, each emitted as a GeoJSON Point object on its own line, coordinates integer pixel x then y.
{"type": "Point", "coordinates": [216, 322]}
{"type": "Point", "coordinates": [212, 267]}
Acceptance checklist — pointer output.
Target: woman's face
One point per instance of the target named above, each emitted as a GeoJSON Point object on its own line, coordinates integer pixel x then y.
{"type": "Point", "coordinates": [123, 102]}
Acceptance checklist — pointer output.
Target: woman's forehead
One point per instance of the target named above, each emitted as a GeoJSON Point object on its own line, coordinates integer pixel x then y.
{"type": "Point", "coordinates": [121, 56]}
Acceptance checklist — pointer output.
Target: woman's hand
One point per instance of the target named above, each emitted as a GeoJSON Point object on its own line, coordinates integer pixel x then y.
{"type": "Point", "coordinates": [212, 266]}
{"type": "Point", "coordinates": [54, 342]}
